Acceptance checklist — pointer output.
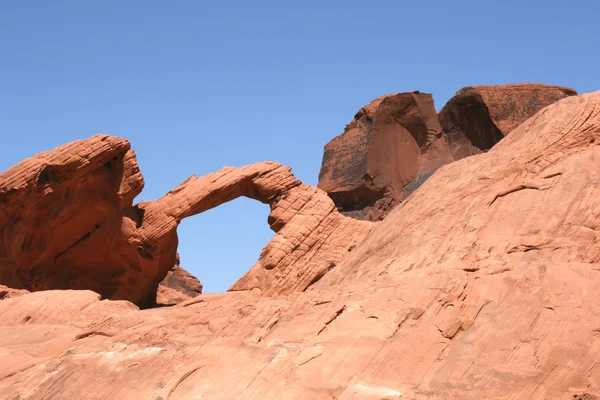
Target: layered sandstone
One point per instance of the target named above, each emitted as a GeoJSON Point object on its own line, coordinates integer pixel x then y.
{"type": "Point", "coordinates": [67, 220]}
{"type": "Point", "coordinates": [392, 142]}
{"type": "Point", "coordinates": [7, 293]}
{"type": "Point", "coordinates": [311, 236]}
{"type": "Point", "coordinates": [482, 284]}
{"type": "Point", "coordinates": [69, 223]}
{"type": "Point", "coordinates": [397, 141]}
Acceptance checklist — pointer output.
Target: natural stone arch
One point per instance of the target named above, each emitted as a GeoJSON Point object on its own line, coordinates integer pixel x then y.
{"type": "Point", "coordinates": [68, 223]}
{"type": "Point", "coordinates": [311, 236]}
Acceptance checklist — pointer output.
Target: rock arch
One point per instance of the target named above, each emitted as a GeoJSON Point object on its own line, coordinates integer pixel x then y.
{"type": "Point", "coordinates": [67, 222]}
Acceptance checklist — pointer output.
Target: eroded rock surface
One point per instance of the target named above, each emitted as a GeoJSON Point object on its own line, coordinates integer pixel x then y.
{"type": "Point", "coordinates": [478, 117]}
{"type": "Point", "coordinates": [392, 142]}
{"type": "Point", "coordinates": [68, 223]}
{"type": "Point", "coordinates": [311, 236]}
{"type": "Point", "coordinates": [397, 141]}
{"type": "Point", "coordinates": [178, 286]}
{"type": "Point", "coordinates": [483, 284]}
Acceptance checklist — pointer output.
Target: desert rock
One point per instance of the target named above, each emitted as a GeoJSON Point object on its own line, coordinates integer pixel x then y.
{"type": "Point", "coordinates": [7, 293]}
{"type": "Point", "coordinates": [483, 284]}
{"type": "Point", "coordinates": [181, 280]}
{"type": "Point", "coordinates": [396, 142]}
{"type": "Point", "coordinates": [82, 194]}
{"type": "Point", "coordinates": [392, 143]}
{"type": "Point", "coordinates": [311, 236]}
{"type": "Point", "coordinates": [478, 117]}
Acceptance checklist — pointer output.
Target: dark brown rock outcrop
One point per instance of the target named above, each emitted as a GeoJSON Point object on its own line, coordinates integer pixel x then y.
{"type": "Point", "coordinates": [7, 293]}
{"type": "Point", "coordinates": [396, 142]}
{"type": "Point", "coordinates": [392, 143]}
{"type": "Point", "coordinates": [478, 117]}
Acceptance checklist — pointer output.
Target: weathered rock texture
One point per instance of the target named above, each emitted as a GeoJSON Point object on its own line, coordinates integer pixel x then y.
{"type": "Point", "coordinates": [392, 142]}
{"type": "Point", "coordinates": [68, 222]}
{"type": "Point", "coordinates": [311, 236]}
{"type": "Point", "coordinates": [396, 142]}
{"type": "Point", "coordinates": [7, 293]}
{"type": "Point", "coordinates": [482, 285]}
{"type": "Point", "coordinates": [179, 285]}
{"type": "Point", "coordinates": [477, 117]}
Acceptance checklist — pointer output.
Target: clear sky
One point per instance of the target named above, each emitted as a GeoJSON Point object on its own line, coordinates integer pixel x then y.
{"type": "Point", "coordinates": [197, 85]}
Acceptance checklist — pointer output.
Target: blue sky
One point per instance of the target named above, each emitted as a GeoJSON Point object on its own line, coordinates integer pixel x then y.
{"type": "Point", "coordinates": [197, 85]}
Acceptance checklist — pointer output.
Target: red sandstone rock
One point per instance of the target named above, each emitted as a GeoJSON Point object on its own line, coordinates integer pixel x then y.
{"type": "Point", "coordinates": [82, 194]}
{"type": "Point", "coordinates": [483, 284]}
{"type": "Point", "coordinates": [63, 215]}
{"type": "Point", "coordinates": [396, 142]}
{"type": "Point", "coordinates": [7, 293]}
{"type": "Point", "coordinates": [311, 236]}
{"type": "Point", "coordinates": [179, 285]}
{"type": "Point", "coordinates": [392, 142]}
{"type": "Point", "coordinates": [165, 296]}
{"type": "Point", "coordinates": [477, 117]}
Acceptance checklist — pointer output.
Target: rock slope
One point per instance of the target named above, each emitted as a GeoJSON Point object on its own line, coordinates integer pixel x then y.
{"type": "Point", "coordinates": [482, 284]}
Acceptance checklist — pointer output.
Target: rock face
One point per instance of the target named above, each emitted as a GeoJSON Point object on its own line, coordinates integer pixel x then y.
{"type": "Point", "coordinates": [396, 142]}
{"type": "Point", "coordinates": [477, 117]}
{"type": "Point", "coordinates": [179, 285]}
{"type": "Point", "coordinates": [392, 142]}
{"type": "Point", "coordinates": [82, 193]}
{"type": "Point", "coordinates": [483, 284]}
{"type": "Point", "coordinates": [67, 221]}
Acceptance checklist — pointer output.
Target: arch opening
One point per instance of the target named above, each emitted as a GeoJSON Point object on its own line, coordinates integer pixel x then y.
{"type": "Point", "coordinates": [220, 245]}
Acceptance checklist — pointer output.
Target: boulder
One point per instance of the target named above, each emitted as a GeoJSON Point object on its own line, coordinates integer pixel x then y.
{"type": "Point", "coordinates": [394, 143]}
{"type": "Point", "coordinates": [68, 222]}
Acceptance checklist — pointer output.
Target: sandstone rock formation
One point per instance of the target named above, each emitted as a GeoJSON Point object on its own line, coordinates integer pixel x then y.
{"type": "Point", "coordinates": [477, 117]}
{"type": "Point", "coordinates": [82, 194]}
{"type": "Point", "coordinates": [311, 236]}
{"type": "Point", "coordinates": [178, 286]}
{"type": "Point", "coordinates": [7, 293]}
{"type": "Point", "coordinates": [483, 284]}
{"type": "Point", "coordinates": [392, 142]}
{"type": "Point", "coordinates": [396, 142]}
